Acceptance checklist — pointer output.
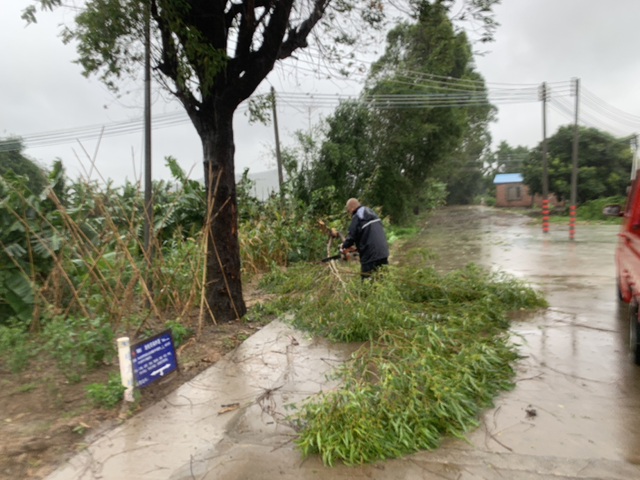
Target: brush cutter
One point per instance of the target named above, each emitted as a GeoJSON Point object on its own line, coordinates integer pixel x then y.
{"type": "Point", "coordinates": [345, 254]}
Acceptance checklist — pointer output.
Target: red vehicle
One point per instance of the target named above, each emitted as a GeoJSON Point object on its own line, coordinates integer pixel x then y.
{"type": "Point", "coordinates": [628, 261]}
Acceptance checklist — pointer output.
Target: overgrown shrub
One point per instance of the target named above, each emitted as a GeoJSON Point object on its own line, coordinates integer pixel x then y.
{"type": "Point", "coordinates": [106, 394]}
{"type": "Point", "coordinates": [592, 209]}
{"type": "Point", "coordinates": [78, 342]}
{"type": "Point", "coordinates": [14, 347]}
{"type": "Point", "coordinates": [283, 230]}
{"type": "Point", "coordinates": [179, 332]}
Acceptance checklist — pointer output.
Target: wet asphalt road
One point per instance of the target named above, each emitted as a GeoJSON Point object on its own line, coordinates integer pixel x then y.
{"type": "Point", "coordinates": [578, 376]}
{"type": "Point", "coordinates": [574, 414]}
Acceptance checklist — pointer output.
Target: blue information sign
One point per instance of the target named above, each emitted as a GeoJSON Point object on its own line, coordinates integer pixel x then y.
{"type": "Point", "coordinates": [153, 358]}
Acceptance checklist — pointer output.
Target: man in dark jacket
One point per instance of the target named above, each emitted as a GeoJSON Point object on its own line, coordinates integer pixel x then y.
{"type": "Point", "coordinates": [367, 232]}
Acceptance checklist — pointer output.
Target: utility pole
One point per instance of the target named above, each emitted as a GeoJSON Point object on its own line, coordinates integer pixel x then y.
{"type": "Point", "coordinates": [275, 126]}
{"type": "Point", "coordinates": [545, 178]}
{"type": "Point", "coordinates": [574, 167]}
{"type": "Point", "coordinates": [148, 199]}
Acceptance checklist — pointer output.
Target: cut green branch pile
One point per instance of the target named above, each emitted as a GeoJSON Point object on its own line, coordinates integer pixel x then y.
{"type": "Point", "coordinates": [437, 352]}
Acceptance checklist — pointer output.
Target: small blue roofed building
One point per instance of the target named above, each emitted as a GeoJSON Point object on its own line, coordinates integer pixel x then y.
{"type": "Point", "coordinates": [512, 192]}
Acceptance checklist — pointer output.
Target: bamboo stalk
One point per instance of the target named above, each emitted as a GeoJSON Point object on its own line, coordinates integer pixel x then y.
{"type": "Point", "coordinates": [77, 233]}
{"type": "Point", "coordinates": [55, 257]}
{"type": "Point", "coordinates": [203, 289]}
{"type": "Point", "coordinates": [207, 226]}
{"type": "Point", "coordinates": [224, 277]}
{"type": "Point", "coordinates": [137, 271]}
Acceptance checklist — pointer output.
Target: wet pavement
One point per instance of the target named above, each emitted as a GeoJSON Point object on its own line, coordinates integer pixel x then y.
{"type": "Point", "coordinates": [574, 414]}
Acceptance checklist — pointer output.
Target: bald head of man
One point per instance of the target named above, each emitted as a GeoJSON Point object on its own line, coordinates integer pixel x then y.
{"type": "Point", "coordinates": [352, 205]}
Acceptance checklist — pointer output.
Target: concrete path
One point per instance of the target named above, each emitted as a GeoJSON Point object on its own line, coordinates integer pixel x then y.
{"type": "Point", "coordinates": [574, 414]}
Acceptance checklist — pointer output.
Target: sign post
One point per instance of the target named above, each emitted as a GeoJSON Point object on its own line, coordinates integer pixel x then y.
{"type": "Point", "coordinates": [126, 371]}
{"type": "Point", "coordinates": [153, 358]}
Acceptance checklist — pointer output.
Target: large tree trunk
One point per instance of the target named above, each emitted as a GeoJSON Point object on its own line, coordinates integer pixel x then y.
{"type": "Point", "coordinates": [224, 285]}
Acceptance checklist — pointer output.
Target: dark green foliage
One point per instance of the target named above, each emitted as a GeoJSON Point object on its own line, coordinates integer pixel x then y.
{"type": "Point", "coordinates": [84, 224]}
{"type": "Point", "coordinates": [604, 164]}
{"type": "Point", "coordinates": [106, 395]}
{"type": "Point", "coordinates": [389, 157]}
{"type": "Point", "coordinates": [179, 332]}
{"type": "Point", "coordinates": [464, 173]}
{"type": "Point", "coordinates": [179, 206]}
{"type": "Point", "coordinates": [248, 205]}
{"type": "Point", "coordinates": [592, 209]}
{"type": "Point", "coordinates": [16, 291]}
{"type": "Point", "coordinates": [27, 241]}
{"type": "Point", "coordinates": [464, 183]}
{"type": "Point", "coordinates": [414, 144]}
{"type": "Point", "coordinates": [345, 161]}
{"type": "Point", "coordinates": [15, 348]}
{"type": "Point", "coordinates": [438, 352]}
{"type": "Point", "coordinates": [12, 158]}
{"type": "Point", "coordinates": [507, 159]}
{"type": "Point", "coordinates": [79, 342]}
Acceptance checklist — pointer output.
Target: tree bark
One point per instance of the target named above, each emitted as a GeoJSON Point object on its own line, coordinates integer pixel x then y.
{"type": "Point", "coordinates": [224, 285]}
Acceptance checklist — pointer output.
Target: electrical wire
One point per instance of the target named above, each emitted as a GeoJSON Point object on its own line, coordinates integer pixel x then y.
{"type": "Point", "coordinates": [470, 81]}
{"type": "Point", "coordinates": [426, 80]}
{"type": "Point", "coordinates": [434, 98]}
{"type": "Point", "coordinates": [94, 132]}
{"type": "Point", "coordinates": [599, 110]}
{"type": "Point", "coordinates": [586, 118]}
{"type": "Point", "coordinates": [611, 108]}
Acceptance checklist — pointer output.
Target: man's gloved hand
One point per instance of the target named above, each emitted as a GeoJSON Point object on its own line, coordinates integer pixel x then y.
{"type": "Point", "coordinates": [349, 252]}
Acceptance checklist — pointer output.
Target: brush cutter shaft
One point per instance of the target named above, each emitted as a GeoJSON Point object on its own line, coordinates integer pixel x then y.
{"type": "Point", "coordinates": [344, 255]}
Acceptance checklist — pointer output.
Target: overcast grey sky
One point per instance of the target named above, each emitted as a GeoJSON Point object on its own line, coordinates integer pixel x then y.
{"type": "Point", "coordinates": [41, 90]}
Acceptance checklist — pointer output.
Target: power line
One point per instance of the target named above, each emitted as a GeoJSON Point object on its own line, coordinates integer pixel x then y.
{"type": "Point", "coordinates": [428, 99]}
{"type": "Point", "coordinates": [388, 101]}
{"type": "Point", "coordinates": [470, 81]}
{"type": "Point", "coordinates": [383, 102]}
{"type": "Point", "coordinates": [598, 109]}
{"type": "Point", "coordinates": [93, 132]}
{"type": "Point", "coordinates": [427, 80]}
{"type": "Point", "coordinates": [610, 107]}
{"type": "Point", "coordinates": [586, 118]}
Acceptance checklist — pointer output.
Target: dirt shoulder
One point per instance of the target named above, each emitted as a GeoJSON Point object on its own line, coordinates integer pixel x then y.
{"type": "Point", "coordinates": [44, 418]}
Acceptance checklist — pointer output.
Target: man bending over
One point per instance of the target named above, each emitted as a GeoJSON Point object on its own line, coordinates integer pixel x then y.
{"type": "Point", "coordinates": [367, 232]}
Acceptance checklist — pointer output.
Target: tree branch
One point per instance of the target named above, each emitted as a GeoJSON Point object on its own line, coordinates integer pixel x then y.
{"type": "Point", "coordinates": [170, 62]}
{"type": "Point", "coordinates": [297, 38]}
{"type": "Point", "coordinates": [258, 64]}
{"type": "Point", "coordinates": [238, 8]}
{"type": "Point", "coordinates": [247, 29]}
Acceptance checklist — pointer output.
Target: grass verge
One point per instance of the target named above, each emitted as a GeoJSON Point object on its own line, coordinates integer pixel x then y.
{"type": "Point", "coordinates": [436, 352]}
